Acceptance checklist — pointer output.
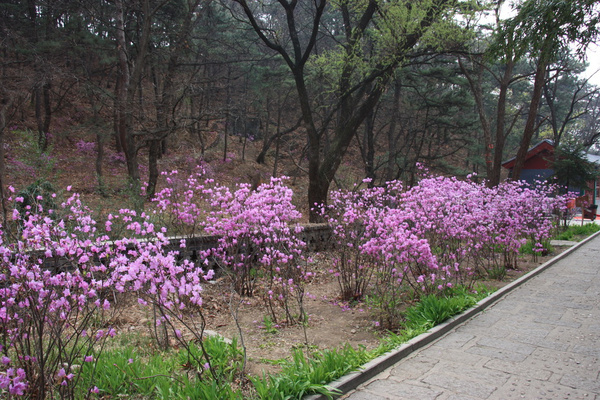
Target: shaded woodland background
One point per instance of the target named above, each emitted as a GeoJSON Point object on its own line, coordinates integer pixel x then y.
{"type": "Point", "coordinates": [329, 92]}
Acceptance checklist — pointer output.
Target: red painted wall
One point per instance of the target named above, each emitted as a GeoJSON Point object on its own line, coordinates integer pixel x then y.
{"type": "Point", "coordinates": [542, 160]}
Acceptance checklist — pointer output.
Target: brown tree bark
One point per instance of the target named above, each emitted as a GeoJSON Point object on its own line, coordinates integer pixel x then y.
{"type": "Point", "coordinates": [530, 125]}
{"type": "Point", "coordinates": [391, 170]}
{"type": "Point", "coordinates": [355, 101]}
{"type": "Point", "coordinates": [6, 101]}
{"type": "Point", "coordinates": [123, 110]}
{"type": "Point", "coordinates": [494, 141]}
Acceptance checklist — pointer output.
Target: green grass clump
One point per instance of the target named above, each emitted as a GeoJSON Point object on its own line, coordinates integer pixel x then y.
{"type": "Point", "coordinates": [432, 310]}
{"type": "Point", "coordinates": [128, 372]}
{"type": "Point", "coordinates": [165, 375]}
{"type": "Point", "coordinates": [573, 231]}
{"type": "Point", "coordinates": [530, 248]}
{"type": "Point", "coordinates": [306, 375]}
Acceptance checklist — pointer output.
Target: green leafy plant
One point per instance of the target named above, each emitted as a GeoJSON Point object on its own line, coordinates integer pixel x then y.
{"type": "Point", "coordinates": [304, 375]}
{"type": "Point", "coordinates": [39, 193]}
{"type": "Point", "coordinates": [226, 359]}
{"type": "Point", "coordinates": [32, 158]}
{"type": "Point", "coordinates": [432, 310]}
{"type": "Point", "coordinates": [268, 325]}
{"type": "Point", "coordinates": [573, 231]}
{"type": "Point", "coordinates": [530, 248]}
{"type": "Point", "coordinates": [571, 168]}
{"type": "Point", "coordinates": [126, 371]}
{"type": "Point", "coordinates": [497, 272]}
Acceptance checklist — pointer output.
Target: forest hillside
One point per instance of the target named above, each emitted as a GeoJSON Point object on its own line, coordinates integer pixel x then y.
{"type": "Point", "coordinates": [104, 96]}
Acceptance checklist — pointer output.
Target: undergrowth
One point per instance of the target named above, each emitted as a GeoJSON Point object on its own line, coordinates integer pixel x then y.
{"type": "Point", "coordinates": [130, 372]}
{"type": "Point", "coordinates": [575, 232]}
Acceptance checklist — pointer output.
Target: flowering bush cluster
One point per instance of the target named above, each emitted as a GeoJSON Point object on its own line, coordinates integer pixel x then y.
{"type": "Point", "coordinates": [87, 148]}
{"type": "Point", "coordinates": [442, 232]}
{"type": "Point", "coordinates": [182, 203]}
{"type": "Point", "coordinates": [62, 275]}
{"type": "Point", "coordinates": [349, 215]}
{"type": "Point", "coordinates": [59, 285]}
{"type": "Point", "coordinates": [259, 244]}
{"type": "Point", "coordinates": [258, 233]}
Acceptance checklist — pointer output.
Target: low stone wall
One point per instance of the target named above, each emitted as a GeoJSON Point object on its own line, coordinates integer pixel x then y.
{"type": "Point", "coordinates": [316, 236]}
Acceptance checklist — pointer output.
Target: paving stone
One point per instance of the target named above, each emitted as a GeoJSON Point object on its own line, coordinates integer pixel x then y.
{"type": "Point", "coordinates": [494, 352]}
{"type": "Point", "coordinates": [452, 396]}
{"type": "Point", "coordinates": [540, 341]}
{"type": "Point", "coordinates": [563, 243]}
{"type": "Point", "coordinates": [475, 373]}
{"type": "Point", "coordinates": [485, 320]}
{"type": "Point", "coordinates": [490, 331]}
{"type": "Point", "coordinates": [530, 368]}
{"type": "Point", "coordinates": [364, 395]}
{"type": "Point", "coordinates": [458, 339]}
{"type": "Point", "coordinates": [413, 369]}
{"type": "Point", "coordinates": [509, 306]}
{"type": "Point", "coordinates": [520, 388]}
{"type": "Point", "coordinates": [390, 389]}
{"type": "Point", "coordinates": [557, 321]}
{"type": "Point", "coordinates": [547, 343]}
{"type": "Point", "coordinates": [453, 355]}
{"type": "Point", "coordinates": [506, 344]}
{"type": "Point", "coordinates": [527, 326]}
{"type": "Point", "coordinates": [565, 363]}
{"type": "Point", "coordinates": [577, 381]}
{"type": "Point", "coordinates": [588, 350]}
{"type": "Point", "coordinates": [461, 384]}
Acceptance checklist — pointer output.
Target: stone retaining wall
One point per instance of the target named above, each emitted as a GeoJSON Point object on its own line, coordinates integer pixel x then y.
{"type": "Point", "coordinates": [316, 236]}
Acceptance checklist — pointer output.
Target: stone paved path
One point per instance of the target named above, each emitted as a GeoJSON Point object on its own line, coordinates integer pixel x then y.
{"type": "Point", "coordinates": [541, 341]}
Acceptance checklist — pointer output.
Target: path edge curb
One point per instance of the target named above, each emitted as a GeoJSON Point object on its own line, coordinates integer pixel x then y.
{"type": "Point", "coordinates": [369, 370]}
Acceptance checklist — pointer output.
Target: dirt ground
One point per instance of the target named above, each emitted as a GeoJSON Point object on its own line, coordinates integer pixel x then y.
{"type": "Point", "coordinates": [331, 322]}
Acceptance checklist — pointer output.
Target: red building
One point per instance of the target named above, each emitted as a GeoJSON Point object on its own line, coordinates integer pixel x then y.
{"type": "Point", "coordinates": [538, 162]}
{"type": "Point", "coordinates": [538, 166]}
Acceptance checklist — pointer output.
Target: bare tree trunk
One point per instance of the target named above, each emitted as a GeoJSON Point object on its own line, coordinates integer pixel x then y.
{"type": "Point", "coordinates": [117, 114]}
{"type": "Point", "coordinates": [369, 148]}
{"type": "Point", "coordinates": [501, 131]}
{"type": "Point", "coordinates": [123, 83]}
{"type": "Point", "coordinates": [277, 144]}
{"type": "Point", "coordinates": [99, 161]}
{"type": "Point", "coordinates": [6, 102]}
{"type": "Point", "coordinates": [153, 154]}
{"type": "Point", "coordinates": [227, 112]}
{"type": "Point", "coordinates": [538, 85]}
{"type": "Point", "coordinates": [391, 136]}
{"type": "Point", "coordinates": [43, 110]}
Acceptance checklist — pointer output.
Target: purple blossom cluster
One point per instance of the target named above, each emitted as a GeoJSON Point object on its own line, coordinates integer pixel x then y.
{"type": "Point", "coordinates": [258, 230]}
{"type": "Point", "coordinates": [87, 148]}
{"type": "Point", "coordinates": [58, 290]}
{"type": "Point", "coordinates": [182, 203]}
{"type": "Point", "coordinates": [61, 273]}
{"type": "Point", "coordinates": [259, 245]}
{"type": "Point", "coordinates": [394, 244]}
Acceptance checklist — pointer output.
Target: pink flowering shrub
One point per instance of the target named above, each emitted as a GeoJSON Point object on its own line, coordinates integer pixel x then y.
{"type": "Point", "coordinates": [48, 318]}
{"type": "Point", "coordinates": [259, 245]}
{"type": "Point", "coordinates": [473, 228]}
{"type": "Point", "coordinates": [403, 264]}
{"type": "Point", "coordinates": [181, 204]}
{"type": "Point", "coordinates": [258, 235]}
{"type": "Point", "coordinates": [393, 244]}
{"type": "Point", "coordinates": [59, 288]}
{"type": "Point", "coordinates": [146, 269]}
{"type": "Point", "coordinates": [349, 214]}
{"type": "Point", "coordinates": [87, 148]}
